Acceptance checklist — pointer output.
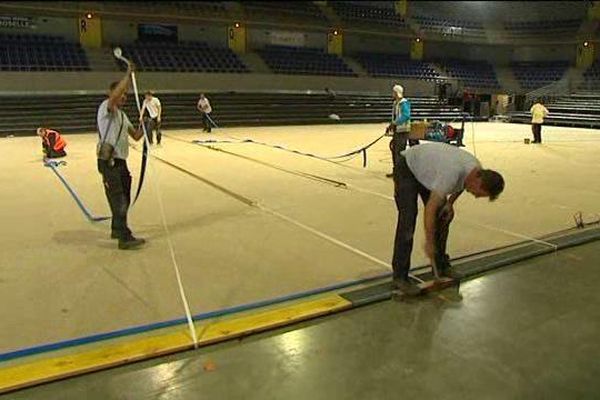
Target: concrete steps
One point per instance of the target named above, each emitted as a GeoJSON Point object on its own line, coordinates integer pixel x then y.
{"type": "Point", "coordinates": [76, 113]}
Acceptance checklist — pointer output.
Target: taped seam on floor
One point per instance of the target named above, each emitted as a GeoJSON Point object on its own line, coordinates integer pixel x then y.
{"type": "Point", "coordinates": [268, 210]}
{"type": "Point", "coordinates": [51, 369]}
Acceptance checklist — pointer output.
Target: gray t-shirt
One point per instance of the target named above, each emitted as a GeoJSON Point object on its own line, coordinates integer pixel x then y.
{"type": "Point", "coordinates": [113, 128]}
{"type": "Point", "coordinates": [440, 167]}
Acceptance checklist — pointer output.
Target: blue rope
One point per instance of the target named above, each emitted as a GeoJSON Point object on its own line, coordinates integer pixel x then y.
{"type": "Point", "coordinates": [53, 165]}
{"type": "Point", "coordinates": [350, 155]}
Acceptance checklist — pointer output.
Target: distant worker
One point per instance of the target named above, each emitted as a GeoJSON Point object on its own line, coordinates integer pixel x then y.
{"type": "Point", "coordinates": [151, 116]}
{"type": "Point", "coordinates": [399, 127]}
{"type": "Point", "coordinates": [438, 173]}
{"type": "Point", "coordinates": [538, 113]}
{"type": "Point", "coordinates": [205, 109]}
{"type": "Point", "coordinates": [53, 144]}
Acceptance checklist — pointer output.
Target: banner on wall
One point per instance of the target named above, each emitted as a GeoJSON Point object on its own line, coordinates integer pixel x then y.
{"type": "Point", "coordinates": [157, 33]}
{"type": "Point", "coordinates": [285, 38]}
{"type": "Point", "coordinates": [16, 22]}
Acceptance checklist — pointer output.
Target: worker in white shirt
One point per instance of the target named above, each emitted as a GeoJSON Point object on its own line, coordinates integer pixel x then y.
{"type": "Point", "coordinates": [538, 113]}
{"type": "Point", "coordinates": [205, 109]}
{"type": "Point", "coordinates": [151, 116]}
{"type": "Point", "coordinates": [114, 130]}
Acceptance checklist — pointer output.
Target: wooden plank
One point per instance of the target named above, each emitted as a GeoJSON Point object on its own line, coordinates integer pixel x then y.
{"type": "Point", "coordinates": [110, 355]}
{"type": "Point", "coordinates": [435, 285]}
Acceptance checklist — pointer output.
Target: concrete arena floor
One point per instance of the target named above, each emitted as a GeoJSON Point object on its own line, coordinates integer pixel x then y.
{"type": "Point", "coordinates": [524, 332]}
{"type": "Point", "coordinates": [63, 278]}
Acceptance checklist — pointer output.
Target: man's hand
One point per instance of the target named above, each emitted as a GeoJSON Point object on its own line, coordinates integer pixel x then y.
{"type": "Point", "coordinates": [130, 68]}
{"type": "Point", "coordinates": [390, 128]}
{"type": "Point", "coordinates": [158, 119]}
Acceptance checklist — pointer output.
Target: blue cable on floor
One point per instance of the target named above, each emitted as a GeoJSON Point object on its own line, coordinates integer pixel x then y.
{"type": "Point", "coordinates": [53, 165]}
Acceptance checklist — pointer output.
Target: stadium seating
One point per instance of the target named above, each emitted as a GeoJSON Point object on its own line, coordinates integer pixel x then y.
{"type": "Point", "coordinates": [592, 76]}
{"type": "Point", "coordinates": [476, 74]}
{"type": "Point", "coordinates": [24, 52]}
{"type": "Point", "coordinates": [214, 8]}
{"type": "Point", "coordinates": [450, 27]}
{"type": "Point", "coordinates": [185, 8]}
{"type": "Point", "coordinates": [303, 61]}
{"type": "Point", "coordinates": [557, 27]}
{"type": "Point", "coordinates": [578, 109]}
{"type": "Point", "coordinates": [395, 65]}
{"type": "Point", "coordinates": [182, 57]}
{"type": "Point", "coordinates": [533, 75]}
{"type": "Point", "coordinates": [299, 11]}
{"type": "Point", "coordinates": [72, 113]}
{"type": "Point", "coordinates": [353, 13]}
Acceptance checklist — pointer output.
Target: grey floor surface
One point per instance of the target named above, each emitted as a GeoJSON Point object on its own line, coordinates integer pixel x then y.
{"type": "Point", "coordinates": [528, 331]}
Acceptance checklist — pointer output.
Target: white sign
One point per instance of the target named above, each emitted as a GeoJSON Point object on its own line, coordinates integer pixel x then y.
{"type": "Point", "coordinates": [16, 22]}
{"type": "Point", "coordinates": [285, 38]}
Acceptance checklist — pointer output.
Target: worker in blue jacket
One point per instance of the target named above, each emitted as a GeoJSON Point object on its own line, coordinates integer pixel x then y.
{"type": "Point", "coordinates": [400, 125]}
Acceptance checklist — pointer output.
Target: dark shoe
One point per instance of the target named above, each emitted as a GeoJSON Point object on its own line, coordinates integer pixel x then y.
{"type": "Point", "coordinates": [130, 243]}
{"type": "Point", "coordinates": [114, 235]}
{"type": "Point", "coordinates": [390, 175]}
{"type": "Point", "coordinates": [443, 265]}
{"type": "Point", "coordinates": [406, 287]}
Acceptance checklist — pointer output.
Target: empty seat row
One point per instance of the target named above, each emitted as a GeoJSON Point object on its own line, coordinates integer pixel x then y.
{"type": "Point", "coordinates": [184, 57]}
{"type": "Point", "coordinates": [32, 52]}
{"type": "Point", "coordinates": [532, 75]}
{"type": "Point", "coordinates": [381, 64]}
{"type": "Point", "coordinates": [473, 73]}
{"type": "Point", "coordinates": [352, 12]}
{"type": "Point", "coordinates": [286, 59]}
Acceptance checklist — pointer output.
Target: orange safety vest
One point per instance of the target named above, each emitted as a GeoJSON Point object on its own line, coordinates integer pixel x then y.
{"type": "Point", "coordinates": [59, 142]}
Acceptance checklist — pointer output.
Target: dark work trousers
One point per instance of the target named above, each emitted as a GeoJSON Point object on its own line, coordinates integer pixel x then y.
{"type": "Point", "coordinates": [152, 124]}
{"type": "Point", "coordinates": [51, 153]}
{"type": "Point", "coordinates": [407, 190]}
{"type": "Point", "coordinates": [117, 186]}
{"type": "Point", "coordinates": [537, 132]}
{"type": "Point", "coordinates": [398, 145]}
{"type": "Point", "coordinates": [206, 123]}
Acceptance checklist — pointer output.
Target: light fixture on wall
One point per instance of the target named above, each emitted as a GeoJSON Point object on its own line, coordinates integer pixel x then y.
{"type": "Point", "coordinates": [89, 15]}
{"type": "Point", "coordinates": [586, 44]}
{"type": "Point", "coordinates": [336, 32]}
{"type": "Point", "coordinates": [418, 40]}
{"type": "Point", "coordinates": [237, 25]}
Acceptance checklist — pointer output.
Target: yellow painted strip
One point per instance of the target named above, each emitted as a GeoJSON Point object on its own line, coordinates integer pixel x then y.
{"type": "Point", "coordinates": [111, 355]}
{"type": "Point", "coordinates": [273, 318]}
